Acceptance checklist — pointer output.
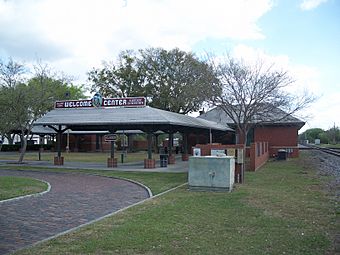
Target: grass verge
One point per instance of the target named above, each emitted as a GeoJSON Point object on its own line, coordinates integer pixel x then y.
{"type": "Point", "coordinates": [11, 186]}
{"type": "Point", "coordinates": [92, 157]}
{"type": "Point", "coordinates": [282, 209]}
{"type": "Point", "coordinates": [157, 182]}
{"type": "Point", "coordinates": [330, 146]}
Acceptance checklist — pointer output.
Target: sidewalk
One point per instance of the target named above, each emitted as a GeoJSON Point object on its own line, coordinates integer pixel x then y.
{"type": "Point", "coordinates": [180, 166]}
{"type": "Point", "coordinates": [73, 200]}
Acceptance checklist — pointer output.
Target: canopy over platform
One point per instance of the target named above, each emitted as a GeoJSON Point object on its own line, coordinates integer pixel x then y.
{"type": "Point", "coordinates": [147, 119]}
{"type": "Point", "coordinates": [44, 130]}
{"type": "Point", "coordinates": [100, 115]}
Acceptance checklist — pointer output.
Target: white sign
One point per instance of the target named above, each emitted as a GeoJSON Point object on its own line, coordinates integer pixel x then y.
{"type": "Point", "coordinates": [240, 155]}
{"type": "Point", "coordinates": [231, 152]}
{"type": "Point", "coordinates": [110, 138]}
{"type": "Point", "coordinates": [217, 152]}
{"type": "Point", "coordinates": [124, 140]}
{"type": "Point", "coordinates": [197, 152]}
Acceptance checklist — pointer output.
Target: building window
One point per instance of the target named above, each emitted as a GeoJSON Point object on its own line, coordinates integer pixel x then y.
{"type": "Point", "coordinates": [250, 137]}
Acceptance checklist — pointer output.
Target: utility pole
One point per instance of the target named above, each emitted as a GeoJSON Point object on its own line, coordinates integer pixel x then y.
{"type": "Point", "coordinates": [334, 134]}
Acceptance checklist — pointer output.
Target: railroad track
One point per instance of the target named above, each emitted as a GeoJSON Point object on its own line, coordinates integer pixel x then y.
{"type": "Point", "coordinates": [335, 152]}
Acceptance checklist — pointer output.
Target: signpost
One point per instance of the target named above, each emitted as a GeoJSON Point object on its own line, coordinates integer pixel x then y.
{"type": "Point", "coordinates": [112, 161]}
{"type": "Point", "coordinates": [110, 138]}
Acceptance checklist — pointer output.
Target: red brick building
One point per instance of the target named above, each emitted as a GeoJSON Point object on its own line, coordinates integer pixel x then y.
{"type": "Point", "coordinates": [280, 134]}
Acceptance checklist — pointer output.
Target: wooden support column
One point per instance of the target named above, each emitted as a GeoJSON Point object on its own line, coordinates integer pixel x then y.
{"type": "Point", "coordinates": [149, 162]}
{"type": "Point", "coordinates": [171, 159]}
{"type": "Point", "coordinates": [149, 146]}
{"type": "Point", "coordinates": [112, 161]}
{"type": "Point", "coordinates": [130, 142]}
{"type": "Point", "coordinates": [185, 155]}
{"type": "Point", "coordinates": [156, 143]}
{"type": "Point", "coordinates": [59, 160]}
{"type": "Point", "coordinates": [197, 138]}
{"type": "Point", "coordinates": [41, 147]}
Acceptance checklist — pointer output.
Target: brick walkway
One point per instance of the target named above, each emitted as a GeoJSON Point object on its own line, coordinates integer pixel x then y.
{"type": "Point", "coordinates": [74, 199]}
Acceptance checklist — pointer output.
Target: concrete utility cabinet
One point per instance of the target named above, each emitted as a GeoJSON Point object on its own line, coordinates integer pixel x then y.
{"type": "Point", "coordinates": [211, 173]}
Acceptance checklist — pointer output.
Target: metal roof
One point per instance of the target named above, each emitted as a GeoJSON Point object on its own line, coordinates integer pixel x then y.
{"type": "Point", "coordinates": [41, 130]}
{"type": "Point", "coordinates": [143, 118]}
{"type": "Point", "coordinates": [277, 117]}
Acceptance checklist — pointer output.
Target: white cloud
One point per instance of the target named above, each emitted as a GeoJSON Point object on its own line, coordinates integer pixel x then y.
{"type": "Point", "coordinates": [324, 112]}
{"type": "Point", "coordinates": [307, 5]}
{"type": "Point", "coordinates": [305, 77]}
{"type": "Point", "coordinates": [87, 31]}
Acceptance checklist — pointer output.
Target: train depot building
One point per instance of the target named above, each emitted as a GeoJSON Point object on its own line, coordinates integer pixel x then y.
{"type": "Point", "coordinates": [90, 117]}
{"type": "Point", "coordinates": [281, 134]}
{"type": "Point", "coordinates": [95, 124]}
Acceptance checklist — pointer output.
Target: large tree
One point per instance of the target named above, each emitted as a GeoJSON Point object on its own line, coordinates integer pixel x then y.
{"type": "Point", "coordinates": [24, 102]}
{"type": "Point", "coordinates": [11, 74]}
{"type": "Point", "coordinates": [176, 80]}
{"type": "Point", "coordinates": [331, 135]}
{"type": "Point", "coordinates": [171, 80]}
{"type": "Point", "coordinates": [255, 94]}
{"type": "Point", "coordinates": [117, 79]}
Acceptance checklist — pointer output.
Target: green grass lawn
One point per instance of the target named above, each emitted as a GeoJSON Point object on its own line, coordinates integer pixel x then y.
{"type": "Point", "coordinates": [11, 186]}
{"type": "Point", "coordinates": [330, 145]}
{"type": "Point", "coordinates": [281, 209]}
{"type": "Point", "coordinates": [157, 182]}
{"type": "Point", "coordinates": [95, 157]}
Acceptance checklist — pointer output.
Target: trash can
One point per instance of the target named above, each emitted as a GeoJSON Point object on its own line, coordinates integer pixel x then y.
{"type": "Point", "coordinates": [163, 160]}
{"type": "Point", "coordinates": [281, 154]}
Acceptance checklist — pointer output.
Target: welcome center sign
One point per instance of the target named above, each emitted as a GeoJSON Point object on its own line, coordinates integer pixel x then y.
{"type": "Point", "coordinates": [98, 101]}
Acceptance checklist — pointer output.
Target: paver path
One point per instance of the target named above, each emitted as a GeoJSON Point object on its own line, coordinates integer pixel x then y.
{"type": "Point", "coordinates": [74, 199]}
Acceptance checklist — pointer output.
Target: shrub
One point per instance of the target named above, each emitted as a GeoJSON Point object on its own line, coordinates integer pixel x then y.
{"type": "Point", "coordinates": [30, 147]}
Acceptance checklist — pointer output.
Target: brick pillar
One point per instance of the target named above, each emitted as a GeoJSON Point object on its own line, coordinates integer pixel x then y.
{"type": "Point", "coordinates": [58, 161]}
{"type": "Point", "coordinates": [185, 157]}
{"type": "Point", "coordinates": [149, 163]}
{"type": "Point", "coordinates": [112, 162]}
{"type": "Point", "coordinates": [253, 156]}
{"type": "Point", "coordinates": [171, 159]}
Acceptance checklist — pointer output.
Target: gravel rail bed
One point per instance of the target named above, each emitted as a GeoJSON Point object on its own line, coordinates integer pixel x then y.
{"type": "Point", "coordinates": [326, 165]}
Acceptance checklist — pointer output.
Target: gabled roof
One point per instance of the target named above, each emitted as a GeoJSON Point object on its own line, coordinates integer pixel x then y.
{"type": "Point", "coordinates": [124, 118]}
{"type": "Point", "coordinates": [276, 117]}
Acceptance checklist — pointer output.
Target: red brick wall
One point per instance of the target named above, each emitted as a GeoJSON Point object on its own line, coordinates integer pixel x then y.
{"type": "Point", "coordinates": [278, 137]}
{"type": "Point", "coordinates": [80, 143]}
{"type": "Point", "coordinates": [140, 145]}
{"type": "Point", "coordinates": [87, 143]}
{"type": "Point", "coordinates": [259, 155]}
{"type": "Point", "coordinates": [206, 148]}
{"type": "Point", "coordinates": [194, 139]}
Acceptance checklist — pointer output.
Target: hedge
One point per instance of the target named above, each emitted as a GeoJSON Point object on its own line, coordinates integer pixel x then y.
{"type": "Point", "coordinates": [30, 147]}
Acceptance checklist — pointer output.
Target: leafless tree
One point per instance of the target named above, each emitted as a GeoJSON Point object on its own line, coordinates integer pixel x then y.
{"type": "Point", "coordinates": [255, 94]}
{"type": "Point", "coordinates": [11, 73]}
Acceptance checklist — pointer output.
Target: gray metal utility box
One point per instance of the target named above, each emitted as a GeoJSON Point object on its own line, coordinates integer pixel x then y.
{"type": "Point", "coordinates": [211, 173]}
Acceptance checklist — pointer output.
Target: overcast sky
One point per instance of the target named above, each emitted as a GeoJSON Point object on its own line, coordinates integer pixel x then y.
{"type": "Point", "coordinates": [73, 36]}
